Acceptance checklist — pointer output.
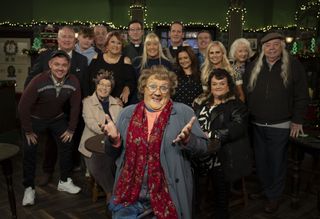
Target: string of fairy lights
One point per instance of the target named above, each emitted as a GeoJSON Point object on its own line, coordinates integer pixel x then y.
{"type": "Point", "coordinates": [241, 11]}
{"type": "Point", "coordinates": [307, 7]}
{"type": "Point", "coordinates": [315, 4]}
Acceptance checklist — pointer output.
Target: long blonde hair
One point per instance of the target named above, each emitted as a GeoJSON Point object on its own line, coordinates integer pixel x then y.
{"type": "Point", "coordinates": [151, 37]}
{"type": "Point", "coordinates": [257, 68]}
{"type": "Point", "coordinates": [208, 66]}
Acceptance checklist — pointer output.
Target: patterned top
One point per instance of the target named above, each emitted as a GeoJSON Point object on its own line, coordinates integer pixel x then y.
{"type": "Point", "coordinates": [188, 89]}
{"type": "Point", "coordinates": [238, 75]}
{"type": "Point", "coordinates": [204, 119]}
{"type": "Point", "coordinates": [239, 69]}
{"type": "Point", "coordinates": [45, 99]}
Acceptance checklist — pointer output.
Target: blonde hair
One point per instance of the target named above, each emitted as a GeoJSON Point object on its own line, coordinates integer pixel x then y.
{"type": "Point", "coordinates": [207, 67]}
{"type": "Point", "coordinates": [257, 68]}
{"type": "Point", "coordinates": [236, 44]}
{"type": "Point", "coordinates": [151, 37]}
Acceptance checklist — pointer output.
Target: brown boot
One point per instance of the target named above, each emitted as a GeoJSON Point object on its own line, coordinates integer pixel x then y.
{"type": "Point", "coordinates": [44, 179]}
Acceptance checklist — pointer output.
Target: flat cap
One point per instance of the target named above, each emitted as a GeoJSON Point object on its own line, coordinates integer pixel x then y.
{"type": "Point", "coordinates": [271, 36]}
{"type": "Point", "coordinates": [60, 53]}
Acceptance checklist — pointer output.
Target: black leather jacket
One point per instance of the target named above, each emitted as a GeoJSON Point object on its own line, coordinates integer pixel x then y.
{"type": "Point", "coordinates": [229, 123]}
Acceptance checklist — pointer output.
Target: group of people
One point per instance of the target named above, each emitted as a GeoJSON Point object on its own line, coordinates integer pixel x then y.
{"type": "Point", "coordinates": [159, 109]}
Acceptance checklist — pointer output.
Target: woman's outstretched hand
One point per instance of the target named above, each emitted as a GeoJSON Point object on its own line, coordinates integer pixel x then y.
{"type": "Point", "coordinates": [184, 135]}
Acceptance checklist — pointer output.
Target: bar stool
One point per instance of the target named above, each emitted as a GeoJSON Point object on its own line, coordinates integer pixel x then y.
{"type": "Point", "coordinates": [8, 151]}
{"type": "Point", "coordinates": [95, 144]}
{"type": "Point", "coordinates": [241, 196]}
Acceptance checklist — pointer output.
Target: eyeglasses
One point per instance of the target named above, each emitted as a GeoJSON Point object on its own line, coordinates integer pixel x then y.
{"type": "Point", "coordinates": [153, 88]}
{"type": "Point", "coordinates": [134, 30]}
{"type": "Point", "coordinates": [105, 85]}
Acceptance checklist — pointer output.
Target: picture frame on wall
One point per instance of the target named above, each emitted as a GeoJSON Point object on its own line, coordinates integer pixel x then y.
{"type": "Point", "coordinates": [253, 43]}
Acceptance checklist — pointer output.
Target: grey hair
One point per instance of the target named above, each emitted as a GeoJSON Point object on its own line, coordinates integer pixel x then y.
{"type": "Point", "coordinates": [236, 44]}
{"type": "Point", "coordinates": [65, 28]}
{"type": "Point", "coordinates": [257, 68]}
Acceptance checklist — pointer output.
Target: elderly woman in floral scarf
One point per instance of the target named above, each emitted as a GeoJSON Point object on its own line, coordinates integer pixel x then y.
{"type": "Point", "coordinates": [153, 140]}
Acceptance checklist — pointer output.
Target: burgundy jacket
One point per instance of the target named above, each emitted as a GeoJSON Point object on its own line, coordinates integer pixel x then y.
{"type": "Point", "coordinates": [40, 100]}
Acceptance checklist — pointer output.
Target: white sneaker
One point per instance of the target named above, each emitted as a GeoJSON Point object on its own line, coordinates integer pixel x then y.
{"type": "Point", "coordinates": [29, 196]}
{"type": "Point", "coordinates": [68, 187]}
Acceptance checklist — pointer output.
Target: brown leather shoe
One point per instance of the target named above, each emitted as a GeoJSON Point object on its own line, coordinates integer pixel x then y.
{"type": "Point", "coordinates": [44, 179]}
{"type": "Point", "coordinates": [271, 206]}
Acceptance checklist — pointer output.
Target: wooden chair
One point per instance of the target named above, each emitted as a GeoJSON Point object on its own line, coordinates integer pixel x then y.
{"type": "Point", "coordinates": [239, 197]}
{"type": "Point", "coordinates": [96, 190]}
{"type": "Point", "coordinates": [95, 144]}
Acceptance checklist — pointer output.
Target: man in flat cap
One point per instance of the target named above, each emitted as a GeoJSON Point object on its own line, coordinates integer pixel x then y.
{"type": "Point", "coordinates": [41, 108]}
{"type": "Point", "coordinates": [276, 92]}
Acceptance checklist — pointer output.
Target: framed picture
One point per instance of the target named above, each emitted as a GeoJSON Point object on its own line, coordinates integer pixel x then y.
{"type": "Point", "coordinates": [253, 43]}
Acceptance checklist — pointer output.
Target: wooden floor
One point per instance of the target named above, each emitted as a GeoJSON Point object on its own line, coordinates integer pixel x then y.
{"type": "Point", "coordinates": [53, 204]}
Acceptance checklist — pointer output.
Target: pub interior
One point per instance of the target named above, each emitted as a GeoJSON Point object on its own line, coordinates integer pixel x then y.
{"type": "Point", "coordinates": [29, 28]}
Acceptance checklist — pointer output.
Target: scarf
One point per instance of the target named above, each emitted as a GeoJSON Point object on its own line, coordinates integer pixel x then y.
{"type": "Point", "coordinates": [139, 153]}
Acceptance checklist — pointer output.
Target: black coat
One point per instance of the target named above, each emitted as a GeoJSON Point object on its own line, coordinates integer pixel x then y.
{"type": "Point", "coordinates": [229, 124]}
{"type": "Point", "coordinates": [79, 68]}
{"type": "Point", "coordinates": [270, 102]}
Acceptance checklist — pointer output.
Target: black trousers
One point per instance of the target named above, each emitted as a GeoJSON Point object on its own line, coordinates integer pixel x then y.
{"type": "Point", "coordinates": [50, 150]}
{"type": "Point", "coordinates": [56, 127]}
{"type": "Point", "coordinates": [221, 190]}
{"type": "Point", "coordinates": [102, 168]}
{"type": "Point", "coordinates": [271, 149]}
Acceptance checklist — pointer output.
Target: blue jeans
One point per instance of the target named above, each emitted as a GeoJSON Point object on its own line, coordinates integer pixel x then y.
{"type": "Point", "coordinates": [271, 149]}
{"type": "Point", "coordinates": [137, 210]}
{"type": "Point", "coordinates": [56, 128]}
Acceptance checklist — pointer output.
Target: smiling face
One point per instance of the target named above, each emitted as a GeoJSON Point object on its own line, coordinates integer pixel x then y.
{"type": "Point", "coordinates": [184, 60]}
{"type": "Point", "coordinates": [272, 50]}
{"type": "Point", "coordinates": [176, 34]}
{"type": "Point", "coordinates": [59, 67]}
{"type": "Point", "coordinates": [103, 88]}
{"type": "Point", "coordinates": [219, 88]}
{"type": "Point", "coordinates": [215, 55]}
{"type": "Point", "coordinates": [66, 39]}
{"type": "Point", "coordinates": [114, 46]}
{"type": "Point", "coordinates": [156, 93]}
{"type": "Point", "coordinates": [152, 48]}
{"type": "Point", "coordinates": [135, 32]}
{"type": "Point", "coordinates": [241, 54]}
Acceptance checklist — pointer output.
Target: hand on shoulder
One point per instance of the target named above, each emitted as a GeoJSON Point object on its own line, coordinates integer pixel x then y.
{"type": "Point", "coordinates": [127, 60]}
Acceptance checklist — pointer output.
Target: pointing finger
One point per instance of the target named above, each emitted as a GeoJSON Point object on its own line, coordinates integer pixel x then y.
{"type": "Point", "coordinates": [192, 120]}
{"type": "Point", "coordinates": [108, 119]}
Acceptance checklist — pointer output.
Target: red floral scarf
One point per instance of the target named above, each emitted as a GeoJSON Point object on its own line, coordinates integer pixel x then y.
{"type": "Point", "coordinates": [139, 153]}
